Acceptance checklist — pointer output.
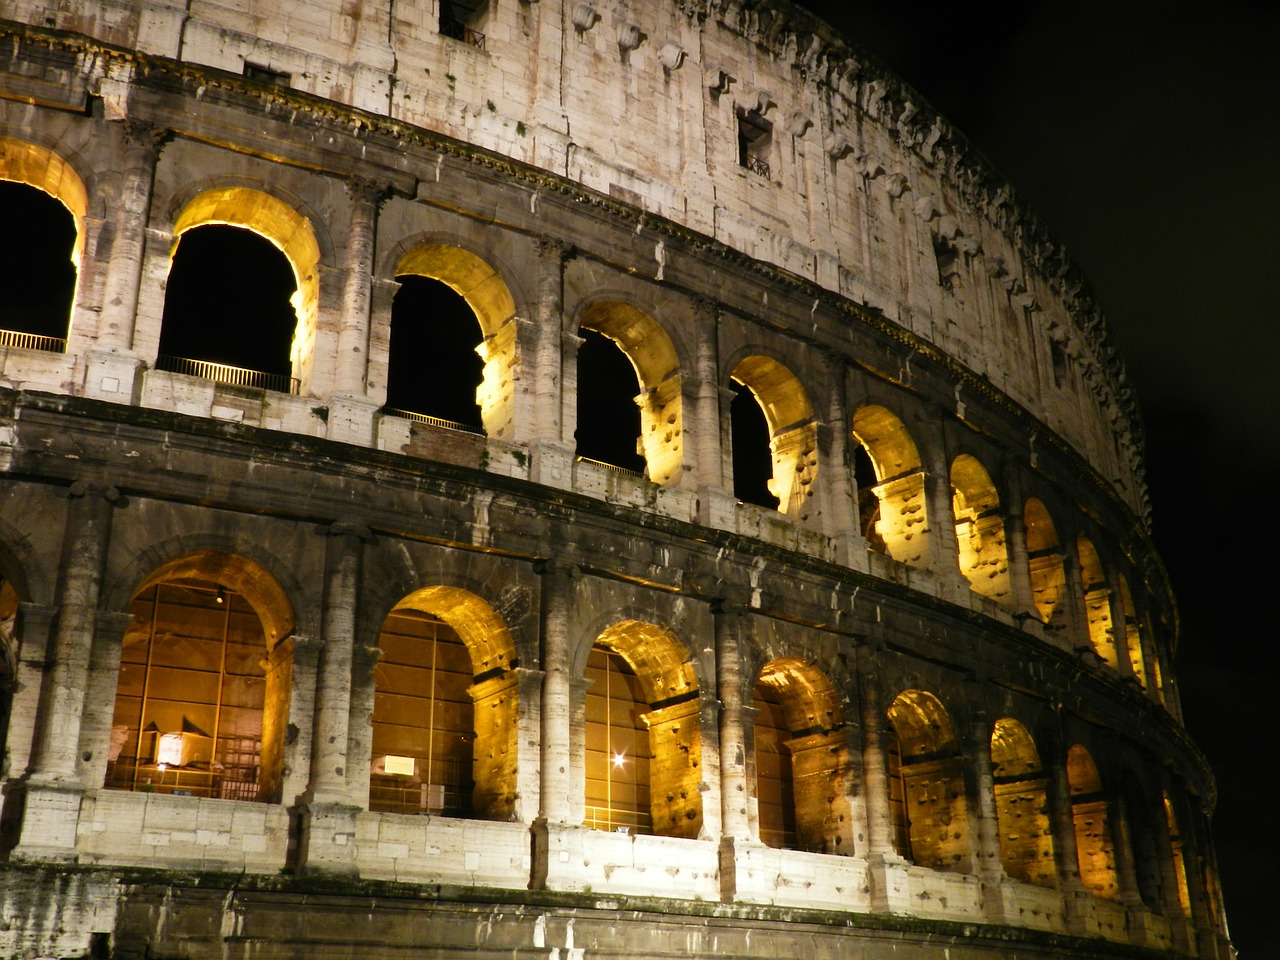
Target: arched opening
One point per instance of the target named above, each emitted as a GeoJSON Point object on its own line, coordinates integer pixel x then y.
{"type": "Point", "coordinates": [901, 519]}
{"type": "Point", "coordinates": [434, 368]}
{"type": "Point", "coordinates": [931, 774]}
{"type": "Point", "coordinates": [1097, 601]}
{"type": "Point", "coordinates": [1132, 634]}
{"type": "Point", "coordinates": [446, 700]}
{"type": "Point", "coordinates": [1026, 836]}
{"type": "Point", "coordinates": [752, 466]}
{"type": "Point", "coordinates": [1141, 821]}
{"type": "Point", "coordinates": [454, 348]}
{"type": "Point", "coordinates": [1044, 557]}
{"type": "Point", "coordinates": [39, 263]}
{"type": "Point", "coordinates": [1090, 814]}
{"type": "Point", "coordinates": [802, 760]}
{"type": "Point", "coordinates": [37, 272]}
{"type": "Point", "coordinates": [984, 559]}
{"type": "Point", "coordinates": [608, 419]}
{"type": "Point", "coordinates": [237, 332]}
{"type": "Point", "coordinates": [204, 296]}
{"type": "Point", "coordinates": [792, 433]}
{"type": "Point", "coordinates": [203, 694]}
{"type": "Point", "coordinates": [643, 696]}
{"type": "Point", "coordinates": [655, 369]}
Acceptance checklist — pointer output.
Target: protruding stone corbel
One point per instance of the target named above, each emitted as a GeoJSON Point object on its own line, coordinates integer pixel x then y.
{"type": "Point", "coordinates": [798, 123]}
{"type": "Point", "coordinates": [630, 36]}
{"type": "Point", "coordinates": [948, 227]}
{"type": "Point", "coordinates": [719, 81]}
{"type": "Point", "coordinates": [838, 146]}
{"type": "Point", "coordinates": [671, 56]}
{"type": "Point", "coordinates": [927, 208]}
{"type": "Point", "coordinates": [896, 184]}
{"type": "Point", "coordinates": [584, 17]}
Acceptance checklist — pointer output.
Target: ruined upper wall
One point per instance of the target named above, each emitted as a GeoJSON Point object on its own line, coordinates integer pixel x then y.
{"type": "Point", "coordinates": [867, 193]}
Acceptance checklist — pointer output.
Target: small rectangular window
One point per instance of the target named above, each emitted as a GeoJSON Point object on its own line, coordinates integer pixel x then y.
{"type": "Point", "coordinates": [755, 141]}
{"type": "Point", "coordinates": [464, 20]}
{"type": "Point", "coordinates": [1060, 363]}
{"type": "Point", "coordinates": [275, 78]}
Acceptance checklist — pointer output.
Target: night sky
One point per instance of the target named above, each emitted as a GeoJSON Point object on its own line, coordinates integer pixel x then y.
{"type": "Point", "coordinates": [1146, 138]}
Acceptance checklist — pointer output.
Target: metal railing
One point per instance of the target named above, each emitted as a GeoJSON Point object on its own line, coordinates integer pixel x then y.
{"type": "Point", "coordinates": [611, 467]}
{"type": "Point", "coordinates": [225, 373]}
{"type": "Point", "coordinates": [32, 341]}
{"type": "Point", "coordinates": [757, 166]}
{"type": "Point", "coordinates": [616, 819]}
{"type": "Point", "coordinates": [457, 30]}
{"type": "Point", "coordinates": [433, 421]}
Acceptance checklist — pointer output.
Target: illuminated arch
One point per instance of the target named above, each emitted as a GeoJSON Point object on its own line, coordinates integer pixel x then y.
{"type": "Point", "coordinates": [657, 366]}
{"type": "Point", "coordinates": [930, 810]}
{"type": "Point", "coordinates": [1090, 812]}
{"type": "Point", "coordinates": [902, 522]}
{"type": "Point", "coordinates": [490, 299]}
{"type": "Point", "coordinates": [1044, 557]}
{"type": "Point", "coordinates": [793, 431]}
{"type": "Point", "coordinates": [31, 165]}
{"type": "Point", "coordinates": [1132, 633]}
{"type": "Point", "coordinates": [444, 737]}
{"type": "Point", "coordinates": [36, 166]}
{"type": "Point", "coordinates": [287, 230]}
{"type": "Point", "coordinates": [984, 559]}
{"type": "Point", "coordinates": [1097, 601]}
{"type": "Point", "coordinates": [802, 759]}
{"type": "Point", "coordinates": [202, 701]}
{"type": "Point", "coordinates": [1026, 836]}
{"type": "Point", "coordinates": [664, 704]}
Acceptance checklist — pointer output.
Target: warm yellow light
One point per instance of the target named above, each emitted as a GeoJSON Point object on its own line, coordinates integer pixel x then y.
{"type": "Point", "coordinates": [619, 759]}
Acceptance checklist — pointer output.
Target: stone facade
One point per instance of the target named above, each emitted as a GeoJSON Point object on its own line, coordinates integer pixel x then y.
{"type": "Point", "coordinates": [289, 669]}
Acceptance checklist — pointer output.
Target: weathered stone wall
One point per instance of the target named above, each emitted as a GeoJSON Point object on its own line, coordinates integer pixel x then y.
{"type": "Point", "coordinates": [875, 292]}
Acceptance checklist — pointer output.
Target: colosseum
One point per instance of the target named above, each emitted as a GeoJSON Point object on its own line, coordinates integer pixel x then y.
{"type": "Point", "coordinates": [563, 479]}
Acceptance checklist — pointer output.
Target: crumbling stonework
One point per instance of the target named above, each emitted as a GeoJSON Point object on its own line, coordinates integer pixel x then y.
{"type": "Point", "coordinates": [288, 670]}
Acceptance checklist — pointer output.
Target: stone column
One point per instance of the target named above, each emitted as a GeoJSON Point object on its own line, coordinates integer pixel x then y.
{"type": "Point", "coordinates": [557, 587]}
{"type": "Point", "coordinates": [1119, 626]}
{"type": "Point", "coordinates": [890, 891]}
{"type": "Point", "coordinates": [842, 520]}
{"type": "Point", "coordinates": [944, 549]}
{"type": "Point", "coordinates": [328, 841]}
{"type": "Point", "coordinates": [1024, 602]}
{"type": "Point", "coordinates": [1126, 869]}
{"type": "Point", "coordinates": [112, 366]}
{"type": "Point", "coordinates": [990, 866]}
{"type": "Point", "coordinates": [733, 752]}
{"type": "Point", "coordinates": [1075, 899]}
{"type": "Point", "coordinates": [53, 788]}
{"type": "Point", "coordinates": [554, 372]}
{"type": "Point", "coordinates": [875, 767]}
{"type": "Point", "coordinates": [351, 410]}
{"type": "Point", "coordinates": [1076, 614]}
{"type": "Point", "coordinates": [717, 506]}
{"type": "Point", "coordinates": [34, 627]}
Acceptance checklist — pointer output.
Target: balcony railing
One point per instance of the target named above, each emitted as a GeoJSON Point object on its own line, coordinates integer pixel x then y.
{"type": "Point", "coordinates": [32, 341]}
{"type": "Point", "coordinates": [611, 467]}
{"type": "Point", "coordinates": [457, 30]}
{"type": "Point", "coordinates": [757, 166]}
{"type": "Point", "coordinates": [433, 421]}
{"type": "Point", "coordinates": [225, 373]}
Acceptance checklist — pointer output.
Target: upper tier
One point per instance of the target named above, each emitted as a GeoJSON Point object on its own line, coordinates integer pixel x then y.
{"type": "Point", "coordinates": [753, 124]}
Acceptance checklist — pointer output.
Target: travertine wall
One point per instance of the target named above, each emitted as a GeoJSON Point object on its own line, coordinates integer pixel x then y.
{"type": "Point", "coordinates": [875, 291]}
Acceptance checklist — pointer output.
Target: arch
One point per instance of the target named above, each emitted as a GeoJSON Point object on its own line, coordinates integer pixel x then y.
{"type": "Point", "coordinates": [924, 756]}
{"type": "Point", "coordinates": [1044, 557]}
{"type": "Point", "coordinates": [1090, 813]}
{"type": "Point", "coordinates": [287, 230]}
{"type": "Point", "coordinates": [793, 431]}
{"type": "Point", "coordinates": [489, 296]}
{"type": "Point", "coordinates": [1132, 633]}
{"type": "Point", "coordinates": [47, 200]}
{"type": "Point", "coordinates": [1026, 835]}
{"type": "Point", "coordinates": [24, 162]}
{"type": "Point", "coordinates": [802, 759]}
{"type": "Point", "coordinates": [446, 700]}
{"type": "Point", "coordinates": [653, 357]}
{"type": "Point", "coordinates": [1097, 601]}
{"type": "Point", "coordinates": [202, 701]}
{"type": "Point", "coordinates": [984, 558]}
{"type": "Point", "coordinates": [901, 523]}
{"type": "Point", "coordinates": [665, 708]}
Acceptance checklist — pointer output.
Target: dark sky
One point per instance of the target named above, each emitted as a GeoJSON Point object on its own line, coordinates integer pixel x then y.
{"type": "Point", "coordinates": [1146, 137]}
